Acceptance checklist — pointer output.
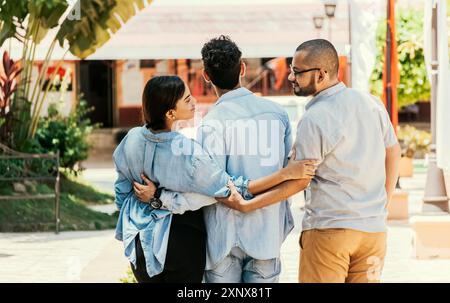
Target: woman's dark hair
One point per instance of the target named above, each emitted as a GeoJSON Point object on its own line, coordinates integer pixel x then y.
{"type": "Point", "coordinates": [160, 95]}
{"type": "Point", "coordinates": [222, 62]}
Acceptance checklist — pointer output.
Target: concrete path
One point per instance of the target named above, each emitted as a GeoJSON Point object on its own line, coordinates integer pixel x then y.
{"type": "Point", "coordinates": [67, 257]}
{"type": "Point", "coordinates": [97, 257]}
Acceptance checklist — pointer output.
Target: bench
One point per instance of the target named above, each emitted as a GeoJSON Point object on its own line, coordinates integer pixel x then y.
{"type": "Point", "coordinates": [18, 167]}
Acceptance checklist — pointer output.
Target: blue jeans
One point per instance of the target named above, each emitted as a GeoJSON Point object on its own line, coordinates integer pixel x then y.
{"type": "Point", "coordinates": [238, 267]}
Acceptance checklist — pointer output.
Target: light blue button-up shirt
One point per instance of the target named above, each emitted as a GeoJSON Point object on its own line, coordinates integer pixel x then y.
{"type": "Point", "coordinates": [348, 131]}
{"type": "Point", "coordinates": [248, 136]}
{"type": "Point", "coordinates": [176, 163]}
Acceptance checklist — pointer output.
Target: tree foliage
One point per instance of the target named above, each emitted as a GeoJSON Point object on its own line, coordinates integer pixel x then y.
{"type": "Point", "coordinates": [414, 85]}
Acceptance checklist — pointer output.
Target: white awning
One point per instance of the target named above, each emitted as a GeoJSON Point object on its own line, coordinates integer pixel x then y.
{"type": "Point", "coordinates": [169, 29]}
{"type": "Point", "coordinates": [260, 30]}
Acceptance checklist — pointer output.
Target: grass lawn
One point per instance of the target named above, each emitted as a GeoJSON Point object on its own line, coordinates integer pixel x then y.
{"type": "Point", "coordinates": [86, 192]}
{"type": "Point", "coordinates": [30, 215]}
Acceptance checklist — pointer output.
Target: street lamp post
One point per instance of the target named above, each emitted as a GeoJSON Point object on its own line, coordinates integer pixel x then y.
{"type": "Point", "coordinates": [318, 23]}
{"type": "Point", "coordinates": [330, 9]}
{"type": "Point", "coordinates": [350, 50]}
{"type": "Point", "coordinates": [435, 198]}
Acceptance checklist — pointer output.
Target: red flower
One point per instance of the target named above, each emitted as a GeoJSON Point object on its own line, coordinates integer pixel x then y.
{"type": "Point", "coordinates": [8, 83]}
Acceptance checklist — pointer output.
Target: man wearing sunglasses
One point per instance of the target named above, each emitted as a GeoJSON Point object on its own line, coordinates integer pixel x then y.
{"type": "Point", "coordinates": [344, 226]}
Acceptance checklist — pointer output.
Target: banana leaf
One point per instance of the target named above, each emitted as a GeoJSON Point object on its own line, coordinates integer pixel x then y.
{"type": "Point", "coordinates": [10, 11]}
{"type": "Point", "coordinates": [98, 20]}
{"type": "Point", "coordinates": [45, 15]}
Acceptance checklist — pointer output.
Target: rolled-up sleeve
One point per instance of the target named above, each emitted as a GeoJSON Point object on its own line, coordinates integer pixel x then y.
{"type": "Point", "coordinates": [210, 179]}
{"type": "Point", "coordinates": [241, 184]}
{"type": "Point", "coordinates": [178, 203]}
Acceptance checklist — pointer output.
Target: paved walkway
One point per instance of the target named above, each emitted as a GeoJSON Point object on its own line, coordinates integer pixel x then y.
{"type": "Point", "coordinates": [67, 257]}
{"type": "Point", "coordinates": [97, 257]}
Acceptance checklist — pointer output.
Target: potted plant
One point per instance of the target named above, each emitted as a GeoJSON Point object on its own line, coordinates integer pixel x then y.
{"type": "Point", "coordinates": [415, 144]}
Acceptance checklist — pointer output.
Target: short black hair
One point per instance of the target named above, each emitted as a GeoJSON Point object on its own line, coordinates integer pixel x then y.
{"type": "Point", "coordinates": [160, 95]}
{"type": "Point", "coordinates": [222, 62]}
{"type": "Point", "coordinates": [321, 53]}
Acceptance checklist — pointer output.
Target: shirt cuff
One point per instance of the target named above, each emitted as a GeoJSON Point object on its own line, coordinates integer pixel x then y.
{"type": "Point", "coordinates": [242, 187]}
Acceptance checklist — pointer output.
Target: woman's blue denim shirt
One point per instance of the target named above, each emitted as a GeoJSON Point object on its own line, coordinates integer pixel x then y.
{"type": "Point", "coordinates": [178, 164]}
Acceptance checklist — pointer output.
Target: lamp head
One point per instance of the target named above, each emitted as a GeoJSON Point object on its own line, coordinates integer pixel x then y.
{"type": "Point", "coordinates": [330, 9]}
{"type": "Point", "coordinates": [318, 21]}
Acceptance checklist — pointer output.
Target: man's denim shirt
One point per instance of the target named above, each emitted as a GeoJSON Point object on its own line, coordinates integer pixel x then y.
{"type": "Point", "coordinates": [176, 163]}
{"type": "Point", "coordinates": [248, 136]}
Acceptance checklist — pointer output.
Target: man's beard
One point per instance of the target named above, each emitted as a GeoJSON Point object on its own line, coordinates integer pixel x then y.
{"type": "Point", "coordinates": [306, 91]}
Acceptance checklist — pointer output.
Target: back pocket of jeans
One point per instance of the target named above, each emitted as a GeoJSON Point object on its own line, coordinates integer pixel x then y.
{"type": "Point", "coordinates": [267, 268]}
{"type": "Point", "coordinates": [223, 266]}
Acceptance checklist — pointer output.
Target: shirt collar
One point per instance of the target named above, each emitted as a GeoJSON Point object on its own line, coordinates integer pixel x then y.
{"type": "Point", "coordinates": [235, 93]}
{"type": "Point", "coordinates": [326, 93]}
{"type": "Point", "coordinates": [158, 137]}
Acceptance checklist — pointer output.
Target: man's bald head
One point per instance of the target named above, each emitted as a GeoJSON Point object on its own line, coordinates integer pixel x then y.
{"type": "Point", "coordinates": [320, 53]}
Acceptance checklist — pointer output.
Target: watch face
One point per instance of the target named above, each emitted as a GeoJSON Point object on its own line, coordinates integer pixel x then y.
{"type": "Point", "coordinates": [155, 203]}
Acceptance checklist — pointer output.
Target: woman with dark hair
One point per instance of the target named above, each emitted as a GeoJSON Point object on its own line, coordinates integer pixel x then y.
{"type": "Point", "coordinates": [161, 246]}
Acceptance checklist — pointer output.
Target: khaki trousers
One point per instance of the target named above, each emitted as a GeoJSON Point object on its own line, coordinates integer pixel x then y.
{"type": "Point", "coordinates": [338, 255]}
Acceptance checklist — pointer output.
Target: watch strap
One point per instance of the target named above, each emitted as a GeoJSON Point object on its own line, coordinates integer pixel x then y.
{"type": "Point", "coordinates": [158, 192]}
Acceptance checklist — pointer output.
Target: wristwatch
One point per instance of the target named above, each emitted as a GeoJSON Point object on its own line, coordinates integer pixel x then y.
{"type": "Point", "coordinates": [155, 202]}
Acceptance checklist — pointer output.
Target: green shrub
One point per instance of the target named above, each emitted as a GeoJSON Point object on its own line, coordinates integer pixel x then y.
{"type": "Point", "coordinates": [69, 135]}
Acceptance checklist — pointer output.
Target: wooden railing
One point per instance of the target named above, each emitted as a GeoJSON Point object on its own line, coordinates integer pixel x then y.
{"type": "Point", "coordinates": [18, 167]}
